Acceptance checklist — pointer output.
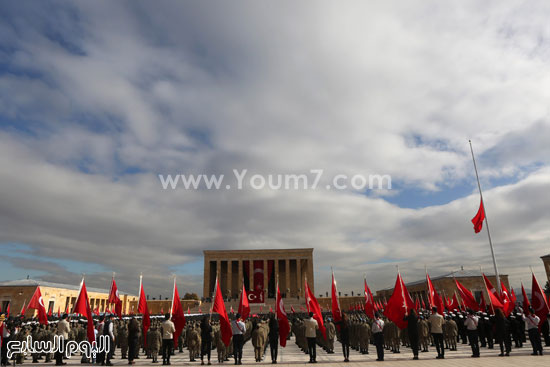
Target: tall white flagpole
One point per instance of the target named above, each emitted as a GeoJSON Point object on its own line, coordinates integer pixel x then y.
{"type": "Point", "coordinates": [173, 295]}
{"type": "Point", "coordinates": [486, 221]}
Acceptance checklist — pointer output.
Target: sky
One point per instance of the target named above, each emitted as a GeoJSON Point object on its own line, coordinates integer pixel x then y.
{"type": "Point", "coordinates": [97, 99]}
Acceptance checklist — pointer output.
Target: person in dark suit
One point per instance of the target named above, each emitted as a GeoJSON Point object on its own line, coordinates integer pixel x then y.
{"type": "Point", "coordinates": [412, 328]}
{"type": "Point", "coordinates": [344, 335]}
{"type": "Point", "coordinates": [133, 340]}
{"type": "Point", "coordinates": [273, 337]}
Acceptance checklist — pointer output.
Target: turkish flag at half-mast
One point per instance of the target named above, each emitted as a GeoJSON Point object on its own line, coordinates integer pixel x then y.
{"type": "Point", "coordinates": [526, 304]}
{"type": "Point", "coordinates": [336, 311]}
{"type": "Point", "coordinates": [467, 297]}
{"type": "Point", "coordinates": [313, 306]}
{"type": "Point", "coordinates": [37, 303]}
{"type": "Point", "coordinates": [399, 304]}
{"type": "Point", "coordinates": [538, 301]}
{"type": "Point", "coordinates": [219, 307]}
{"type": "Point", "coordinates": [144, 310]}
{"type": "Point", "coordinates": [369, 301]}
{"type": "Point", "coordinates": [478, 219]}
{"type": "Point", "coordinates": [178, 316]}
{"type": "Point", "coordinates": [244, 307]}
{"type": "Point", "coordinates": [82, 306]}
{"type": "Point", "coordinates": [114, 298]}
{"type": "Point", "coordinates": [284, 327]}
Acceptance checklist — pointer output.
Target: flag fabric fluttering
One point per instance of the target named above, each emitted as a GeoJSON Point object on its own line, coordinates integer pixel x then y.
{"type": "Point", "coordinates": [433, 297]}
{"type": "Point", "coordinates": [114, 298]}
{"type": "Point", "coordinates": [284, 327]}
{"type": "Point", "coordinates": [399, 304]}
{"type": "Point", "coordinates": [526, 304]}
{"type": "Point", "coordinates": [37, 303]}
{"type": "Point", "coordinates": [494, 298]}
{"type": "Point", "coordinates": [467, 297]}
{"type": "Point", "coordinates": [506, 300]}
{"type": "Point", "coordinates": [538, 301]}
{"type": "Point", "coordinates": [482, 303]}
{"type": "Point", "coordinates": [336, 310]}
{"type": "Point", "coordinates": [244, 306]}
{"type": "Point", "coordinates": [144, 310]}
{"type": "Point", "coordinates": [478, 219]}
{"type": "Point", "coordinates": [219, 307]}
{"type": "Point", "coordinates": [369, 301]}
{"type": "Point", "coordinates": [178, 316]}
{"type": "Point", "coordinates": [23, 309]}
{"type": "Point", "coordinates": [82, 306]}
{"type": "Point", "coordinates": [313, 306]}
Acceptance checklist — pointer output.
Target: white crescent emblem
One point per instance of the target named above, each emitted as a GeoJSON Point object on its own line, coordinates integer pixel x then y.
{"type": "Point", "coordinates": [251, 297]}
{"type": "Point", "coordinates": [41, 301]}
{"type": "Point", "coordinates": [281, 307]}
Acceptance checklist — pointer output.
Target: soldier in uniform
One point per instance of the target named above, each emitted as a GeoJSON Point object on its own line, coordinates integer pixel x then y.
{"type": "Point", "coordinates": [424, 331]}
{"type": "Point", "coordinates": [193, 342]}
{"type": "Point", "coordinates": [331, 334]}
{"type": "Point", "coordinates": [450, 332]}
{"type": "Point", "coordinates": [153, 342]}
{"type": "Point", "coordinates": [122, 332]}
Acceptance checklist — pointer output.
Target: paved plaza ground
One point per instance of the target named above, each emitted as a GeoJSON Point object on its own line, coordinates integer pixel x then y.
{"type": "Point", "coordinates": [291, 355]}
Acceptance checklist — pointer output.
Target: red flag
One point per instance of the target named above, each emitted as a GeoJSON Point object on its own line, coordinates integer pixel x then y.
{"type": "Point", "coordinates": [482, 304]}
{"type": "Point", "coordinates": [400, 304]}
{"type": "Point", "coordinates": [313, 306]}
{"type": "Point", "coordinates": [162, 310]}
{"type": "Point", "coordinates": [292, 309]}
{"type": "Point", "coordinates": [177, 314]}
{"type": "Point", "coordinates": [219, 307]}
{"type": "Point", "coordinates": [96, 311]}
{"type": "Point", "coordinates": [506, 301]}
{"type": "Point", "coordinates": [423, 304]}
{"type": "Point", "coordinates": [82, 306]}
{"type": "Point", "coordinates": [369, 301]}
{"type": "Point", "coordinates": [284, 327]}
{"type": "Point", "coordinates": [494, 299]}
{"type": "Point", "coordinates": [416, 304]}
{"type": "Point", "coordinates": [231, 310]}
{"type": "Point", "coordinates": [58, 312]}
{"type": "Point", "coordinates": [114, 298]}
{"type": "Point", "coordinates": [270, 309]}
{"type": "Point", "coordinates": [526, 303]}
{"type": "Point", "coordinates": [37, 303]}
{"type": "Point", "coordinates": [433, 297]}
{"type": "Point", "coordinates": [538, 301]}
{"type": "Point", "coordinates": [244, 307]}
{"type": "Point", "coordinates": [302, 308]}
{"type": "Point", "coordinates": [200, 311]}
{"type": "Point", "coordinates": [50, 312]}
{"type": "Point", "coordinates": [8, 310]}
{"type": "Point", "coordinates": [454, 305]}
{"type": "Point", "coordinates": [467, 297]}
{"type": "Point", "coordinates": [336, 311]}
{"type": "Point", "coordinates": [478, 219]}
{"type": "Point", "coordinates": [23, 309]}
{"type": "Point", "coordinates": [513, 297]}
{"type": "Point", "coordinates": [261, 309]}
{"type": "Point", "coordinates": [188, 310]}
{"type": "Point", "coordinates": [67, 308]}
{"type": "Point", "coordinates": [143, 309]}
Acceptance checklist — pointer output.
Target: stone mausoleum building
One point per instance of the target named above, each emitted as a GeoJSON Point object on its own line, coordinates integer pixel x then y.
{"type": "Point", "coordinates": [259, 271]}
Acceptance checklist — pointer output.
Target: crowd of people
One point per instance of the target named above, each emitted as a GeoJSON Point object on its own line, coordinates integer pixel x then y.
{"type": "Point", "coordinates": [202, 335]}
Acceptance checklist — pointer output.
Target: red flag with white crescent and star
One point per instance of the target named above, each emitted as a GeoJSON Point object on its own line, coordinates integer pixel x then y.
{"type": "Point", "coordinates": [526, 304]}
{"type": "Point", "coordinates": [369, 301]}
{"type": "Point", "coordinates": [538, 301]}
{"type": "Point", "coordinates": [244, 306]}
{"type": "Point", "coordinates": [37, 303]}
{"type": "Point", "coordinates": [336, 310]}
{"type": "Point", "coordinates": [144, 310]}
{"type": "Point", "coordinates": [399, 304]}
{"type": "Point", "coordinates": [82, 306]}
{"type": "Point", "coordinates": [114, 298]}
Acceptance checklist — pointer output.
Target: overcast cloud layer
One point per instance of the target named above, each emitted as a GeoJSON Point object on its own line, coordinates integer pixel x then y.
{"type": "Point", "coordinates": [98, 98]}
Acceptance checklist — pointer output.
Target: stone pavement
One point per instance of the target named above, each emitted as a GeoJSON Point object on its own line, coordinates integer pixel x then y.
{"type": "Point", "coordinates": [291, 355]}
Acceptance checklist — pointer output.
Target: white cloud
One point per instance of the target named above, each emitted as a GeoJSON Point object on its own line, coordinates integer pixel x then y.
{"type": "Point", "coordinates": [388, 88]}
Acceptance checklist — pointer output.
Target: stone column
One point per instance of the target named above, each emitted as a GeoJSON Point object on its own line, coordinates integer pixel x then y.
{"type": "Point", "coordinates": [250, 275]}
{"type": "Point", "coordinates": [219, 273]}
{"type": "Point", "coordinates": [266, 283]}
{"type": "Point", "coordinates": [206, 287]}
{"type": "Point", "coordinates": [240, 282]}
{"type": "Point", "coordinates": [276, 274]}
{"type": "Point", "coordinates": [230, 278]}
{"type": "Point", "coordinates": [310, 274]}
{"type": "Point", "coordinates": [299, 277]}
{"type": "Point", "coordinates": [287, 277]}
